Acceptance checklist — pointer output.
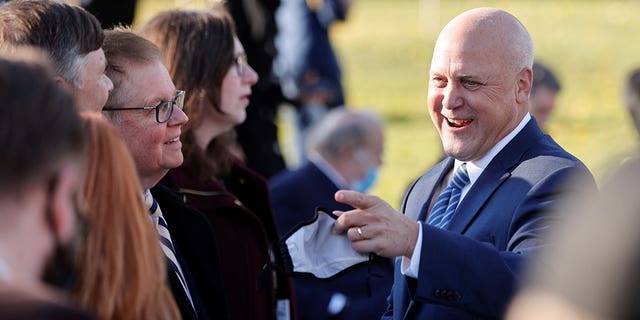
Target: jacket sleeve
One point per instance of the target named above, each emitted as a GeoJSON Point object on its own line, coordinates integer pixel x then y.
{"type": "Point", "coordinates": [467, 273]}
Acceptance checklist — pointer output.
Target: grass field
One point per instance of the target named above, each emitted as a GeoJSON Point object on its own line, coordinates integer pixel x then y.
{"type": "Point", "coordinates": [385, 48]}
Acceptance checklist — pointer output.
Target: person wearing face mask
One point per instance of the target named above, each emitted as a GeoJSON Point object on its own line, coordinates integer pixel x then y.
{"type": "Point", "coordinates": [345, 151]}
{"type": "Point", "coordinates": [41, 170]}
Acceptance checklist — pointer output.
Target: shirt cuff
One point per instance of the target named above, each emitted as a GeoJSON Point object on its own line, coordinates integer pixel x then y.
{"type": "Point", "coordinates": [410, 267]}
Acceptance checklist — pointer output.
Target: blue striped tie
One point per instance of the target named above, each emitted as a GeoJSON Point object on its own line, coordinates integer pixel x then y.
{"type": "Point", "coordinates": [165, 241]}
{"type": "Point", "coordinates": [447, 202]}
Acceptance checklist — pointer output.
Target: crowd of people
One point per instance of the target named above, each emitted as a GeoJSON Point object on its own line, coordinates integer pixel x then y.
{"type": "Point", "coordinates": [126, 193]}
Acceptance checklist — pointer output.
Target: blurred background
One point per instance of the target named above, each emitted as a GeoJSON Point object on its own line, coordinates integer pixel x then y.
{"type": "Point", "coordinates": [385, 51]}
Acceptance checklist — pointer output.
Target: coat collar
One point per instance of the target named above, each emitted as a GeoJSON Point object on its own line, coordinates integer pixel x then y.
{"type": "Point", "coordinates": [498, 170]}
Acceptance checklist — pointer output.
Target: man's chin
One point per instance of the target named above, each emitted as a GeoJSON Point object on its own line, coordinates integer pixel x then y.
{"type": "Point", "coordinates": [456, 152]}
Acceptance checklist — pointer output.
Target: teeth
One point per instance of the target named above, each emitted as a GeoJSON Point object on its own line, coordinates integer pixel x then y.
{"type": "Point", "coordinates": [458, 123]}
{"type": "Point", "coordinates": [173, 140]}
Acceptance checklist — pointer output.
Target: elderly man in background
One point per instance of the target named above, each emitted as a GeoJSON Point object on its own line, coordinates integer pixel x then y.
{"type": "Point", "coordinates": [345, 151]}
{"type": "Point", "coordinates": [71, 36]}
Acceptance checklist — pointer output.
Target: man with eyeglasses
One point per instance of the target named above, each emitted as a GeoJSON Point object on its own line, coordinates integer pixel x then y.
{"type": "Point", "coordinates": [147, 110]}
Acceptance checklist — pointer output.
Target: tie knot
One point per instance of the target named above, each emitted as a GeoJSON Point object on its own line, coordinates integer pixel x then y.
{"type": "Point", "coordinates": [151, 204]}
{"type": "Point", "coordinates": [461, 177]}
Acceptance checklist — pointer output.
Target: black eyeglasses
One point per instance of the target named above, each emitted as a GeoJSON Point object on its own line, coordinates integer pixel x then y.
{"type": "Point", "coordinates": [241, 63]}
{"type": "Point", "coordinates": [164, 109]}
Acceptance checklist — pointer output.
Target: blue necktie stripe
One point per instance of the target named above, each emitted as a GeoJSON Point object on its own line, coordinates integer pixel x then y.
{"type": "Point", "coordinates": [154, 207]}
{"type": "Point", "coordinates": [161, 220]}
{"type": "Point", "coordinates": [165, 243]}
{"type": "Point", "coordinates": [447, 201]}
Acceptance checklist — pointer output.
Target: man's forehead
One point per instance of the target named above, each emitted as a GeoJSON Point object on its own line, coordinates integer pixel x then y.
{"type": "Point", "coordinates": [469, 64]}
{"type": "Point", "coordinates": [146, 83]}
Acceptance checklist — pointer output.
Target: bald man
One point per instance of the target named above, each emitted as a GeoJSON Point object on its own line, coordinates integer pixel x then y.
{"type": "Point", "coordinates": [482, 210]}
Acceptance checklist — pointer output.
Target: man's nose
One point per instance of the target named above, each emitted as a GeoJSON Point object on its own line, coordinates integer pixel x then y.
{"type": "Point", "coordinates": [178, 117]}
{"type": "Point", "coordinates": [451, 97]}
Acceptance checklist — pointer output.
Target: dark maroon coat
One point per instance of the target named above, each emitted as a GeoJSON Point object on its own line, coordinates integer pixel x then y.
{"type": "Point", "coordinates": [240, 214]}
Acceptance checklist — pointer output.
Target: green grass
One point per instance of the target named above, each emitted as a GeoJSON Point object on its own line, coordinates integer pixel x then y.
{"type": "Point", "coordinates": [385, 49]}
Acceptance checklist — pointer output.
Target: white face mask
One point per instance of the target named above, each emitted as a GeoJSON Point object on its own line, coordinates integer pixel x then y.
{"type": "Point", "coordinates": [314, 248]}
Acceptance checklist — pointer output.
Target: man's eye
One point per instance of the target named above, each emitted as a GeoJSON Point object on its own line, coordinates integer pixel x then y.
{"type": "Point", "coordinates": [439, 81]}
{"type": "Point", "coordinates": [470, 84]}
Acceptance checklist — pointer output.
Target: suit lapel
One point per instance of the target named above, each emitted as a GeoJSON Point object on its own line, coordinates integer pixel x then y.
{"type": "Point", "coordinates": [480, 192]}
{"type": "Point", "coordinates": [498, 170]}
{"type": "Point", "coordinates": [418, 199]}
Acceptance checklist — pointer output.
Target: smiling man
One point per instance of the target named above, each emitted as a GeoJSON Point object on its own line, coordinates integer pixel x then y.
{"type": "Point", "coordinates": [481, 211]}
{"type": "Point", "coordinates": [146, 108]}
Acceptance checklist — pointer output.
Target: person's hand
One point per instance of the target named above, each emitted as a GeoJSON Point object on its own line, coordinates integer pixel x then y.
{"type": "Point", "coordinates": [374, 226]}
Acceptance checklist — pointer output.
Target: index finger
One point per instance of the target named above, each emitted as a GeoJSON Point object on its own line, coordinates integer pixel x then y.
{"type": "Point", "coordinates": [355, 199]}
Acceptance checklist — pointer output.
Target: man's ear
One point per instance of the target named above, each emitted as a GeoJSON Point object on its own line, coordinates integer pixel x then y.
{"type": "Point", "coordinates": [62, 208]}
{"type": "Point", "coordinates": [63, 83]}
{"type": "Point", "coordinates": [523, 85]}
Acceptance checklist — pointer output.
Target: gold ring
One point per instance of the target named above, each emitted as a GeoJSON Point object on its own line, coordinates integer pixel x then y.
{"type": "Point", "coordinates": [360, 232]}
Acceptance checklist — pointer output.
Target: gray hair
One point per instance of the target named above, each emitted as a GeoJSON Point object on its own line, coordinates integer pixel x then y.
{"type": "Point", "coordinates": [342, 128]}
{"type": "Point", "coordinates": [66, 33]}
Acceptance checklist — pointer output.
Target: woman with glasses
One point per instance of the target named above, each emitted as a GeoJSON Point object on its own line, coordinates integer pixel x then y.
{"type": "Point", "coordinates": [206, 59]}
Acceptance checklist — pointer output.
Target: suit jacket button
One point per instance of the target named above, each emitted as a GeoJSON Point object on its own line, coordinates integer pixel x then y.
{"type": "Point", "coordinates": [446, 294]}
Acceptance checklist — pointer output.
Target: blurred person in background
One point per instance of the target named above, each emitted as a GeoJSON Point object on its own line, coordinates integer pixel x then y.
{"type": "Point", "coordinates": [71, 36]}
{"type": "Point", "coordinates": [146, 108]}
{"type": "Point", "coordinates": [258, 135]}
{"type": "Point", "coordinates": [121, 269]}
{"type": "Point", "coordinates": [591, 271]}
{"type": "Point", "coordinates": [345, 152]}
{"type": "Point", "coordinates": [41, 170]}
{"type": "Point", "coordinates": [111, 13]}
{"type": "Point", "coordinates": [307, 66]}
{"type": "Point", "coordinates": [544, 91]}
{"type": "Point", "coordinates": [631, 98]}
{"type": "Point", "coordinates": [205, 57]}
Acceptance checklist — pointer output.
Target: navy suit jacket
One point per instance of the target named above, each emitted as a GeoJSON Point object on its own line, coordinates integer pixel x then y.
{"type": "Point", "coordinates": [295, 195]}
{"type": "Point", "coordinates": [471, 269]}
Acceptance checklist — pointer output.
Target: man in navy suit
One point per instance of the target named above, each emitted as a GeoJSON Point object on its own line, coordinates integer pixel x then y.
{"type": "Point", "coordinates": [346, 153]}
{"type": "Point", "coordinates": [466, 265]}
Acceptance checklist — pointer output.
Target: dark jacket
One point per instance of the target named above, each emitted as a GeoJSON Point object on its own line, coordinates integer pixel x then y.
{"type": "Point", "coordinates": [240, 213]}
{"type": "Point", "coordinates": [295, 194]}
{"type": "Point", "coordinates": [197, 253]}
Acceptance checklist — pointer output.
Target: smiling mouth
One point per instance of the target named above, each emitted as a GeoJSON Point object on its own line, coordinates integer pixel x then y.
{"type": "Point", "coordinates": [176, 139]}
{"type": "Point", "coordinates": [457, 123]}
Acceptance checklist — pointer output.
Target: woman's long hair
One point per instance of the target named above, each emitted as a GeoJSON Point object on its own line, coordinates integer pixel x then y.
{"type": "Point", "coordinates": [197, 46]}
{"type": "Point", "coordinates": [121, 269]}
